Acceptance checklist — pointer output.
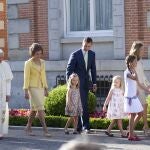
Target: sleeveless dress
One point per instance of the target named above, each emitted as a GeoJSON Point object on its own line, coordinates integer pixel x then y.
{"type": "Point", "coordinates": [132, 103]}
{"type": "Point", "coordinates": [143, 80]}
{"type": "Point", "coordinates": [74, 104]}
{"type": "Point", "coordinates": [116, 105]}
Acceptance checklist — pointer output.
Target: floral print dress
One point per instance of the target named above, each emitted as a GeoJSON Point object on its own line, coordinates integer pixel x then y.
{"type": "Point", "coordinates": [116, 105]}
{"type": "Point", "coordinates": [74, 106]}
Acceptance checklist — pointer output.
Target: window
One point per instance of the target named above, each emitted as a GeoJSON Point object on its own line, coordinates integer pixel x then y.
{"type": "Point", "coordinates": [88, 17]}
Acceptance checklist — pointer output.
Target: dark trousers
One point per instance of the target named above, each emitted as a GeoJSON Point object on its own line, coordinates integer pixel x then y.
{"type": "Point", "coordinates": [83, 123]}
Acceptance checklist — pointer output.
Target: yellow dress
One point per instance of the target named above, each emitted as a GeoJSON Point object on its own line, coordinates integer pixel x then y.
{"type": "Point", "coordinates": [37, 93]}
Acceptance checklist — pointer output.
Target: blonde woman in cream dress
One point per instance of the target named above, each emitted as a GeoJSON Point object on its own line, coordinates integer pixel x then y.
{"type": "Point", "coordinates": [137, 49]}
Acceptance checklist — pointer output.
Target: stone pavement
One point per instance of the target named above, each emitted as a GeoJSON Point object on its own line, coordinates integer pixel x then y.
{"type": "Point", "coordinates": [17, 140]}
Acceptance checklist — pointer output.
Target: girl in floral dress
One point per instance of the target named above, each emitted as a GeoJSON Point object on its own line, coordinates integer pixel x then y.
{"type": "Point", "coordinates": [73, 103]}
{"type": "Point", "coordinates": [115, 102]}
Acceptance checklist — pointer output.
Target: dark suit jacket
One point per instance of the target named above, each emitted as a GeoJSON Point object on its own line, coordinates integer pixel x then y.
{"type": "Point", "coordinates": [76, 64]}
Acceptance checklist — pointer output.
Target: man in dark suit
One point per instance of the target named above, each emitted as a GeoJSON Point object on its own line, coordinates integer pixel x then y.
{"type": "Point", "coordinates": [82, 62]}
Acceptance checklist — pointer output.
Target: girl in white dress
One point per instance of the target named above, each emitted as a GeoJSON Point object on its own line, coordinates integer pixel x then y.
{"type": "Point", "coordinates": [137, 49]}
{"type": "Point", "coordinates": [132, 104]}
{"type": "Point", "coordinates": [115, 104]}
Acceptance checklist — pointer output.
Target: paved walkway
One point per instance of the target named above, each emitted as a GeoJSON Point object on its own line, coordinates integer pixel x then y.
{"type": "Point", "coordinates": [17, 140]}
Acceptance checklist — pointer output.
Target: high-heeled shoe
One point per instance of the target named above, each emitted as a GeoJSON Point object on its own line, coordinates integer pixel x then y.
{"type": "Point", "coordinates": [46, 134]}
{"type": "Point", "coordinates": [29, 132]}
{"type": "Point", "coordinates": [146, 131]}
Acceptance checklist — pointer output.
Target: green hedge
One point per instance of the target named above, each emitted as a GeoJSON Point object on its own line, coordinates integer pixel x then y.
{"type": "Point", "coordinates": [56, 101]}
{"type": "Point", "coordinates": [60, 121]}
{"type": "Point", "coordinates": [148, 101]}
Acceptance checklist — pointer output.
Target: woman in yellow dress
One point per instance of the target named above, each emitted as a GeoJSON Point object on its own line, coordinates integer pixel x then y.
{"type": "Point", "coordinates": [35, 86]}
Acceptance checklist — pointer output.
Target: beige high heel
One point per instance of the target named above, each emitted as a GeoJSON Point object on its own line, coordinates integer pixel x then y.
{"type": "Point", "coordinates": [29, 132]}
{"type": "Point", "coordinates": [46, 134]}
{"type": "Point", "coordinates": [146, 131]}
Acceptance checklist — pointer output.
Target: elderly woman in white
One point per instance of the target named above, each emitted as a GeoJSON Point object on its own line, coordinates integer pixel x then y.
{"type": "Point", "coordinates": [5, 86]}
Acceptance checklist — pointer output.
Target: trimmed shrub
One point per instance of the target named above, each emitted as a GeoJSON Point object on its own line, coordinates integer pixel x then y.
{"type": "Point", "coordinates": [60, 121]}
{"type": "Point", "coordinates": [56, 101]}
{"type": "Point", "coordinates": [18, 120]}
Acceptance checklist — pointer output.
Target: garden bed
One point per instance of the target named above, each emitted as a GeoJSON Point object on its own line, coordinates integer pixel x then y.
{"type": "Point", "coordinates": [19, 117]}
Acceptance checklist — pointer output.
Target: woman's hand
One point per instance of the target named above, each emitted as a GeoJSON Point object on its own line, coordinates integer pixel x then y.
{"type": "Point", "coordinates": [26, 94]}
{"type": "Point", "coordinates": [46, 92]}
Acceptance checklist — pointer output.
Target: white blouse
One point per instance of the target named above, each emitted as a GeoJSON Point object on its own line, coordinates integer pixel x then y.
{"type": "Point", "coordinates": [6, 75]}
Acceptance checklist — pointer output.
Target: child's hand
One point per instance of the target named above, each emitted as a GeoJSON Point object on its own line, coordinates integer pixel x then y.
{"type": "Point", "coordinates": [104, 109]}
{"type": "Point", "coordinates": [70, 108]}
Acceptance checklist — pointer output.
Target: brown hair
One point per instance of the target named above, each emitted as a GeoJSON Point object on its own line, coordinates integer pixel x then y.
{"type": "Point", "coordinates": [88, 40]}
{"type": "Point", "coordinates": [135, 49]}
{"type": "Point", "coordinates": [129, 59]}
{"type": "Point", "coordinates": [35, 47]}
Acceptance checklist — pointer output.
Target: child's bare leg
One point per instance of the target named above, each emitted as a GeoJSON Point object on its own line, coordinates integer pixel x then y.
{"type": "Point", "coordinates": [131, 124]}
{"type": "Point", "coordinates": [68, 122]}
{"type": "Point", "coordinates": [111, 125]}
{"type": "Point", "coordinates": [75, 118]}
{"type": "Point", "coordinates": [137, 118]}
{"type": "Point", "coordinates": [119, 122]}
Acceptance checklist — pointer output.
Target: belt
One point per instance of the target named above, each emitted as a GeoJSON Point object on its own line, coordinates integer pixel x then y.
{"type": "Point", "coordinates": [130, 99]}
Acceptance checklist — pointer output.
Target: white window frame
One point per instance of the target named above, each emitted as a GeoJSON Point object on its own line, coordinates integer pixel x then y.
{"type": "Point", "coordinates": [92, 32]}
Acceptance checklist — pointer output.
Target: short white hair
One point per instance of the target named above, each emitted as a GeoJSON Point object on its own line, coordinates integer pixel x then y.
{"type": "Point", "coordinates": [1, 51]}
{"type": "Point", "coordinates": [76, 145]}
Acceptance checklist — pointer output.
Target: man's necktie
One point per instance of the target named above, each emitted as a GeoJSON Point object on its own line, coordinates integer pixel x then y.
{"type": "Point", "coordinates": [86, 58]}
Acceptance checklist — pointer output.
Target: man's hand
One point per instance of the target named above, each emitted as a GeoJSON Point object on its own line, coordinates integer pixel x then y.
{"type": "Point", "coordinates": [94, 87]}
{"type": "Point", "coordinates": [7, 98]}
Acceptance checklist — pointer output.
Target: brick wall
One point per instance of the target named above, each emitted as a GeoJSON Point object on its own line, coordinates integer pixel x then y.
{"type": "Point", "coordinates": [37, 13]}
{"type": "Point", "coordinates": [28, 23]}
{"type": "Point", "coordinates": [136, 23]}
{"type": "Point", "coordinates": [3, 28]}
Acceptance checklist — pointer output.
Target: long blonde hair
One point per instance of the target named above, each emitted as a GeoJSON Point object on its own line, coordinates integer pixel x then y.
{"type": "Point", "coordinates": [69, 85]}
{"type": "Point", "coordinates": [117, 77]}
{"type": "Point", "coordinates": [135, 49]}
